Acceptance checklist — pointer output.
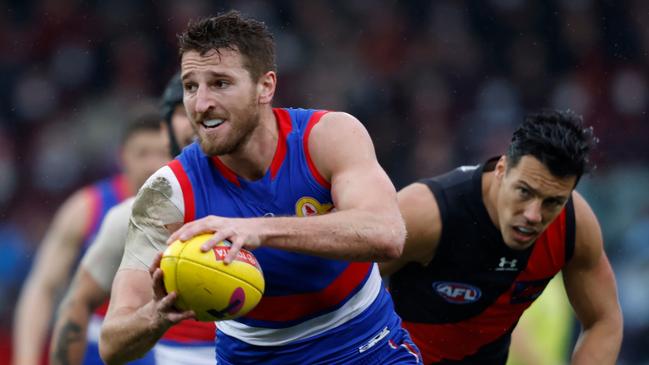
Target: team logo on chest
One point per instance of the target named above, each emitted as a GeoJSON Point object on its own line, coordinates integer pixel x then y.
{"type": "Point", "coordinates": [308, 206]}
{"type": "Point", "coordinates": [457, 293]}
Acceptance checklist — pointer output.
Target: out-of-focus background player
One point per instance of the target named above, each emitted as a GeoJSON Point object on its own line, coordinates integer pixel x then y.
{"type": "Point", "coordinates": [144, 150]}
{"type": "Point", "coordinates": [189, 343]}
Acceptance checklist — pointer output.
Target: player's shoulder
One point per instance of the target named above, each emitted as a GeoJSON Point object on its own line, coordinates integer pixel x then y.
{"type": "Point", "coordinates": [339, 140]}
{"type": "Point", "coordinates": [74, 212]}
{"type": "Point", "coordinates": [460, 175]}
{"type": "Point", "coordinates": [585, 218]}
{"type": "Point", "coordinates": [418, 202]}
{"type": "Point", "coordinates": [160, 196]}
{"type": "Point", "coordinates": [162, 180]}
{"type": "Point", "coordinates": [588, 234]}
{"type": "Point", "coordinates": [443, 190]}
{"type": "Point", "coordinates": [339, 119]}
{"type": "Point", "coordinates": [415, 194]}
{"type": "Point", "coordinates": [85, 196]}
{"type": "Point", "coordinates": [337, 129]}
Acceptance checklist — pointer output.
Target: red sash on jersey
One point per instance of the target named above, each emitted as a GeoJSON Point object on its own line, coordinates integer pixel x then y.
{"type": "Point", "coordinates": [455, 341]}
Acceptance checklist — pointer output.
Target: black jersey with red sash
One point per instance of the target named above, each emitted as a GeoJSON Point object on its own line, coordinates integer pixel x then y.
{"type": "Point", "coordinates": [462, 306]}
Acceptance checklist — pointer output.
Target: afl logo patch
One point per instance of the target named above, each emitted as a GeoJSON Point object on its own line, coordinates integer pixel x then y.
{"type": "Point", "coordinates": [308, 206]}
{"type": "Point", "coordinates": [457, 293]}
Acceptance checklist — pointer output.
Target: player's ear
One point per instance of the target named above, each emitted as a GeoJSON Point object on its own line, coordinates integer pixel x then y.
{"type": "Point", "coordinates": [501, 167]}
{"type": "Point", "coordinates": [266, 87]}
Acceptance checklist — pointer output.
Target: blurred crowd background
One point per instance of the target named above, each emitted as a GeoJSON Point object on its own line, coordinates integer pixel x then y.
{"type": "Point", "coordinates": [437, 83]}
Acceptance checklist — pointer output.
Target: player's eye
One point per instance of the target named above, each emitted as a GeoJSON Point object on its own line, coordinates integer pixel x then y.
{"type": "Point", "coordinates": [553, 203]}
{"type": "Point", "coordinates": [221, 84]}
{"type": "Point", "coordinates": [190, 87]}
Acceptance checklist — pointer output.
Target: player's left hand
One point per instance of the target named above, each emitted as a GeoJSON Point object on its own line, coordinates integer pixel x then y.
{"type": "Point", "coordinates": [165, 313]}
{"type": "Point", "coordinates": [241, 232]}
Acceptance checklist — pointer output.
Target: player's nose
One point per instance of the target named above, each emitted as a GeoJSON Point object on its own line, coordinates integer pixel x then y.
{"type": "Point", "coordinates": [204, 101]}
{"type": "Point", "coordinates": [533, 213]}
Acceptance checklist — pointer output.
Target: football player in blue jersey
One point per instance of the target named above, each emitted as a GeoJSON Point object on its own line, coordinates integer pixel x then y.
{"type": "Point", "coordinates": [191, 343]}
{"type": "Point", "coordinates": [302, 188]}
{"type": "Point", "coordinates": [143, 150]}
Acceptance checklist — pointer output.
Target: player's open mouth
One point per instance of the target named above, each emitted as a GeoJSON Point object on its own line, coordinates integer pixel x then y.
{"type": "Point", "coordinates": [212, 123]}
{"type": "Point", "coordinates": [524, 233]}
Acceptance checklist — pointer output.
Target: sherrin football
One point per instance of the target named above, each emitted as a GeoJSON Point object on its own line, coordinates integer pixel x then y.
{"type": "Point", "coordinates": [213, 290]}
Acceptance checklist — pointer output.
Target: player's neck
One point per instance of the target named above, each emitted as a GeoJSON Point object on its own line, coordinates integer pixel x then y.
{"type": "Point", "coordinates": [490, 195]}
{"type": "Point", "coordinates": [253, 158]}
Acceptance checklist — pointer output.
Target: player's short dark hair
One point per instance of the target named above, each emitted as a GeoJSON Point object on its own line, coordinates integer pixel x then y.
{"type": "Point", "coordinates": [146, 122]}
{"type": "Point", "coordinates": [251, 38]}
{"type": "Point", "coordinates": [556, 138]}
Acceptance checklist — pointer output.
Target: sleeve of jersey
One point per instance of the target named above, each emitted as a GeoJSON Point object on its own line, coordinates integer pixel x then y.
{"type": "Point", "coordinates": [158, 204]}
{"type": "Point", "coordinates": [105, 253]}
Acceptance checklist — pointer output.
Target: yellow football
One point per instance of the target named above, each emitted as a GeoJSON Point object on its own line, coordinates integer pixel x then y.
{"type": "Point", "coordinates": [213, 290]}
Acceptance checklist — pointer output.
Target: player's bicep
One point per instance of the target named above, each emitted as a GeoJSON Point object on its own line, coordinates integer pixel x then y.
{"type": "Point", "coordinates": [131, 289]}
{"type": "Point", "coordinates": [589, 280]}
{"type": "Point", "coordinates": [363, 187]}
{"type": "Point", "coordinates": [343, 152]}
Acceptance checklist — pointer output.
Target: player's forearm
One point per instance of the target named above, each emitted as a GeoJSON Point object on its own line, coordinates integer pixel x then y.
{"type": "Point", "coordinates": [129, 334]}
{"type": "Point", "coordinates": [599, 344]}
{"type": "Point", "coordinates": [34, 311]}
{"type": "Point", "coordinates": [354, 235]}
{"type": "Point", "coordinates": [69, 336]}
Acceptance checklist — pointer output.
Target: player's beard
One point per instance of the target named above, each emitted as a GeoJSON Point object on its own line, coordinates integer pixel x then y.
{"type": "Point", "coordinates": [241, 129]}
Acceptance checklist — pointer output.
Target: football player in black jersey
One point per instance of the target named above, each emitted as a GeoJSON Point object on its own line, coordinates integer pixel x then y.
{"type": "Point", "coordinates": [483, 241]}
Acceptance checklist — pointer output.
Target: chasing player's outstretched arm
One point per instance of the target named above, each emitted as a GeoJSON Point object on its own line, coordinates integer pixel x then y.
{"type": "Point", "coordinates": [137, 315]}
{"type": "Point", "coordinates": [48, 276]}
{"type": "Point", "coordinates": [421, 215]}
{"type": "Point", "coordinates": [366, 224]}
{"type": "Point", "coordinates": [590, 285]}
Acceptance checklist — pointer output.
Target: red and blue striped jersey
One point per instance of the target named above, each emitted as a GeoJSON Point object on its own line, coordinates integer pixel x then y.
{"type": "Point", "coordinates": [103, 194]}
{"type": "Point", "coordinates": [306, 297]}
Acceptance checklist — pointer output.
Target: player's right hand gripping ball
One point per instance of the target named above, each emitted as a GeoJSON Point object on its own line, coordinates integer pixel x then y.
{"type": "Point", "coordinates": [204, 284]}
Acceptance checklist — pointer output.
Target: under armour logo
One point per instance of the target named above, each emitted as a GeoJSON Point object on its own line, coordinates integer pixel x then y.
{"type": "Point", "coordinates": [505, 265]}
